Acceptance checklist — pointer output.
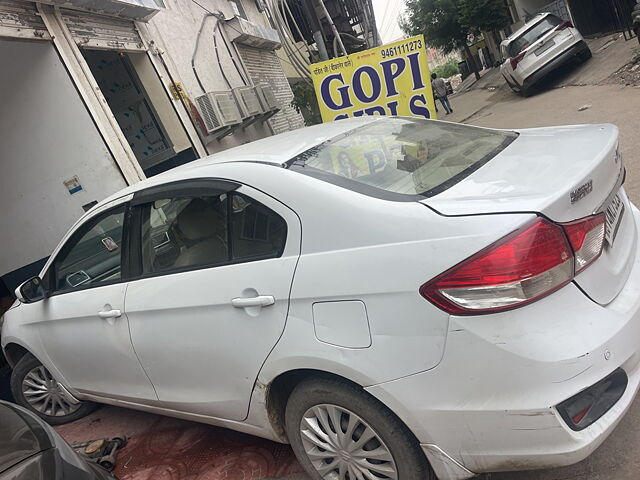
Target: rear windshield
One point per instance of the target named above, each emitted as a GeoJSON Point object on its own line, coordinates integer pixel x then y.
{"type": "Point", "coordinates": [534, 33]}
{"type": "Point", "coordinates": [402, 157]}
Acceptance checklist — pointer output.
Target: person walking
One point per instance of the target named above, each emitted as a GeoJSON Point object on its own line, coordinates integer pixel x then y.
{"type": "Point", "coordinates": [440, 91]}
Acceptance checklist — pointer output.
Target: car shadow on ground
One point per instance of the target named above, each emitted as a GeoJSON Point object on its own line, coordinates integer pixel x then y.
{"type": "Point", "coordinates": [561, 77]}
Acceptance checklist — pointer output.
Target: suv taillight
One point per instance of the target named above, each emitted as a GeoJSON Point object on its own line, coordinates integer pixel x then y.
{"type": "Point", "coordinates": [517, 59]}
{"type": "Point", "coordinates": [565, 24]}
{"type": "Point", "coordinates": [523, 267]}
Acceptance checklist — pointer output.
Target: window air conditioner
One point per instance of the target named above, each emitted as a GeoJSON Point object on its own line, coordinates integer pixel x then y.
{"type": "Point", "coordinates": [218, 110]}
{"type": "Point", "coordinates": [267, 97]}
{"type": "Point", "coordinates": [248, 100]}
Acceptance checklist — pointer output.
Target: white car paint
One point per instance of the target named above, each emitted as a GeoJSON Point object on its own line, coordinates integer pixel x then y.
{"type": "Point", "coordinates": [531, 59]}
{"type": "Point", "coordinates": [478, 392]}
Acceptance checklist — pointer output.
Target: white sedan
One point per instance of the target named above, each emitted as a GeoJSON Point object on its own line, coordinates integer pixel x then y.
{"type": "Point", "coordinates": [397, 298]}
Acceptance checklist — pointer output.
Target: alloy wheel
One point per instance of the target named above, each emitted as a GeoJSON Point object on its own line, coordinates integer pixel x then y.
{"type": "Point", "coordinates": [342, 446]}
{"type": "Point", "coordinates": [45, 394]}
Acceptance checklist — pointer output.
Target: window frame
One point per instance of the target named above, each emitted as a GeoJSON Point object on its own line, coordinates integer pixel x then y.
{"type": "Point", "coordinates": [50, 276]}
{"type": "Point", "coordinates": [201, 187]}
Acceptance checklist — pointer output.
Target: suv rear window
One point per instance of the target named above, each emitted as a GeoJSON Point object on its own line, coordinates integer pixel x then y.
{"type": "Point", "coordinates": [402, 158]}
{"type": "Point", "coordinates": [534, 33]}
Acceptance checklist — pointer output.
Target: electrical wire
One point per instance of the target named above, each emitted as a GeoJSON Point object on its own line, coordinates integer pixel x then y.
{"type": "Point", "coordinates": [195, 50]}
{"type": "Point", "coordinates": [284, 21]}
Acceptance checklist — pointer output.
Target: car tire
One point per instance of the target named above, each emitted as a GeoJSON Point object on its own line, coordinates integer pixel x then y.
{"type": "Point", "coordinates": [586, 55]}
{"type": "Point", "coordinates": [310, 408]}
{"type": "Point", "coordinates": [31, 383]}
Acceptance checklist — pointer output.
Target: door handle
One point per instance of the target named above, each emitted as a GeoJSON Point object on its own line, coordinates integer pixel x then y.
{"type": "Point", "coordinates": [259, 301]}
{"type": "Point", "coordinates": [110, 314]}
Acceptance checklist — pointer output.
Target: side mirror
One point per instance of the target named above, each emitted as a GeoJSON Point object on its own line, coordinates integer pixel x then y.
{"type": "Point", "coordinates": [31, 291]}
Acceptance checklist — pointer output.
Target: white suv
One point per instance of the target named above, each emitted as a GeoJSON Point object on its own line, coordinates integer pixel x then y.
{"type": "Point", "coordinates": [539, 47]}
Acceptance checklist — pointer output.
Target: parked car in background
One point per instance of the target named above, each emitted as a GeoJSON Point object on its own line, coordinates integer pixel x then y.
{"type": "Point", "coordinates": [397, 298]}
{"type": "Point", "coordinates": [31, 450]}
{"type": "Point", "coordinates": [541, 46]}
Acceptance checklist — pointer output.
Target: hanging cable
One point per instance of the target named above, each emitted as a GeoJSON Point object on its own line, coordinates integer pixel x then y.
{"type": "Point", "coordinates": [215, 47]}
{"type": "Point", "coordinates": [195, 50]}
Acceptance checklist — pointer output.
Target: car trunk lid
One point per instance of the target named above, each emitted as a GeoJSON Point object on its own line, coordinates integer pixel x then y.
{"type": "Point", "coordinates": [565, 174]}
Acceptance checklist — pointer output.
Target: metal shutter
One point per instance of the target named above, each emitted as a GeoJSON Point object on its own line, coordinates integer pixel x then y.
{"type": "Point", "coordinates": [91, 30]}
{"type": "Point", "coordinates": [264, 67]}
{"type": "Point", "coordinates": [21, 20]}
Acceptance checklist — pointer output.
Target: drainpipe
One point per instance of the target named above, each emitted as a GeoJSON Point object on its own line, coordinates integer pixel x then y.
{"type": "Point", "coordinates": [333, 26]}
{"type": "Point", "coordinates": [310, 13]}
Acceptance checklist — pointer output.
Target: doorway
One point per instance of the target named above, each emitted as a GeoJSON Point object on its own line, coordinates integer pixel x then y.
{"type": "Point", "coordinates": [142, 109]}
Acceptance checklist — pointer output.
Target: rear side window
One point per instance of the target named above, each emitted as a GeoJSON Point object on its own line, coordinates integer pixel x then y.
{"type": "Point", "coordinates": [256, 231]}
{"type": "Point", "coordinates": [530, 36]}
{"type": "Point", "coordinates": [401, 158]}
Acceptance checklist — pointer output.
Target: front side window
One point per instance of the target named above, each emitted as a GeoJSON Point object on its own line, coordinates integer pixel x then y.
{"type": "Point", "coordinates": [93, 255]}
{"type": "Point", "coordinates": [185, 233]}
{"type": "Point", "coordinates": [402, 156]}
{"type": "Point", "coordinates": [535, 33]}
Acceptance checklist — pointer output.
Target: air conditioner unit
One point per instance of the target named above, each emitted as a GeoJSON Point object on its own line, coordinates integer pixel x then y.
{"type": "Point", "coordinates": [267, 97]}
{"type": "Point", "coordinates": [218, 110]}
{"type": "Point", "coordinates": [248, 100]}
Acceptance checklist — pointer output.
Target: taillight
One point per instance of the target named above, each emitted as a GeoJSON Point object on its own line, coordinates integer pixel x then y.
{"type": "Point", "coordinates": [565, 24]}
{"type": "Point", "coordinates": [521, 268]}
{"type": "Point", "coordinates": [586, 237]}
{"type": "Point", "coordinates": [515, 60]}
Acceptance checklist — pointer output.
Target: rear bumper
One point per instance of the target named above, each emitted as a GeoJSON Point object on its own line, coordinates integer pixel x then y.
{"type": "Point", "coordinates": [490, 404]}
{"type": "Point", "coordinates": [554, 64]}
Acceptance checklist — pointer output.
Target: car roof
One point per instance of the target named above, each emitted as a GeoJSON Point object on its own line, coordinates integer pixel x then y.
{"type": "Point", "coordinates": [525, 27]}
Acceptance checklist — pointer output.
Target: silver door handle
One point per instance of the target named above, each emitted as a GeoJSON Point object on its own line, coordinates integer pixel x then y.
{"type": "Point", "coordinates": [110, 314]}
{"type": "Point", "coordinates": [259, 301]}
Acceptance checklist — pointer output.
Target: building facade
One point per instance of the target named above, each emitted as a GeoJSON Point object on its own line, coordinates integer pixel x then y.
{"type": "Point", "coordinates": [591, 17]}
{"type": "Point", "coordinates": [100, 94]}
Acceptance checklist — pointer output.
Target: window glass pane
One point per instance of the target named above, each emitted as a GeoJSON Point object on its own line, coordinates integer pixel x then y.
{"type": "Point", "coordinates": [95, 258]}
{"type": "Point", "coordinates": [401, 155]}
{"type": "Point", "coordinates": [184, 232]}
{"type": "Point", "coordinates": [536, 32]}
{"type": "Point", "coordinates": [256, 231]}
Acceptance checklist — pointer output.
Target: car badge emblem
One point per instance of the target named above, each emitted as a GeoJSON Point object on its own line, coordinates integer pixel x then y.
{"type": "Point", "coordinates": [581, 192]}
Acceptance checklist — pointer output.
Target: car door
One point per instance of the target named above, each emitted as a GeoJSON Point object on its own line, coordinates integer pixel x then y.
{"type": "Point", "coordinates": [216, 263]}
{"type": "Point", "coordinates": [80, 325]}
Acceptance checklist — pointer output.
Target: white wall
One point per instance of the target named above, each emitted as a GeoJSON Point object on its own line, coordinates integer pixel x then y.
{"type": "Point", "coordinates": [161, 103]}
{"type": "Point", "coordinates": [525, 7]}
{"type": "Point", "coordinates": [175, 30]}
{"type": "Point", "coordinates": [46, 137]}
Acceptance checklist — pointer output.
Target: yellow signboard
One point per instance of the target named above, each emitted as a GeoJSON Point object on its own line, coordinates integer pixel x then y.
{"type": "Point", "coordinates": [389, 80]}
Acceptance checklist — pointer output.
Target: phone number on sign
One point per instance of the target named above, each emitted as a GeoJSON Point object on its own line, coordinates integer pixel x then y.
{"type": "Point", "coordinates": [400, 49]}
